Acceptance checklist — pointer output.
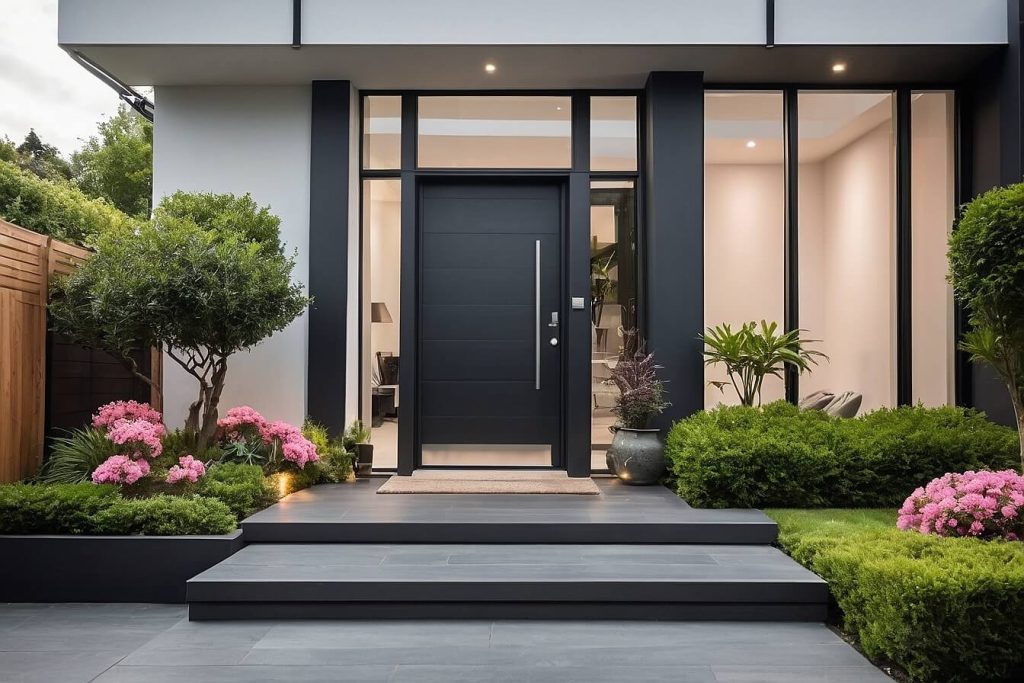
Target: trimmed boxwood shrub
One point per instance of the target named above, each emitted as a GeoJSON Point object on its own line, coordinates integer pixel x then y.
{"type": "Point", "coordinates": [942, 609]}
{"type": "Point", "coordinates": [92, 509]}
{"type": "Point", "coordinates": [243, 488]}
{"type": "Point", "coordinates": [56, 209]}
{"type": "Point", "coordinates": [781, 456]}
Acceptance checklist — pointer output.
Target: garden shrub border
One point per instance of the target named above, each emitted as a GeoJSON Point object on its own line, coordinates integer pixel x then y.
{"type": "Point", "coordinates": [942, 609]}
{"type": "Point", "coordinates": [780, 456]}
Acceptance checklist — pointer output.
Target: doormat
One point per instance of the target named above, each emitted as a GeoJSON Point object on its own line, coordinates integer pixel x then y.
{"type": "Point", "coordinates": [490, 484]}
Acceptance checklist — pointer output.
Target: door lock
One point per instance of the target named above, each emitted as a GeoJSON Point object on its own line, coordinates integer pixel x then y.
{"type": "Point", "coordinates": [554, 341]}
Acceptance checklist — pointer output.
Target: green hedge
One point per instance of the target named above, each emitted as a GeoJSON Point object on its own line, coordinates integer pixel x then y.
{"type": "Point", "coordinates": [92, 509]}
{"type": "Point", "coordinates": [942, 609]}
{"type": "Point", "coordinates": [779, 456]}
{"type": "Point", "coordinates": [51, 208]}
{"type": "Point", "coordinates": [243, 488]}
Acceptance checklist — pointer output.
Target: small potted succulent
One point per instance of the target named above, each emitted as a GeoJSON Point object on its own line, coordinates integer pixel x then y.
{"type": "Point", "coordinates": [636, 455]}
{"type": "Point", "coordinates": [356, 440]}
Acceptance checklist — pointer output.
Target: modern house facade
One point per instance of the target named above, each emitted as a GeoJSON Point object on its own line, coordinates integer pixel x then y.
{"type": "Point", "coordinates": [481, 195]}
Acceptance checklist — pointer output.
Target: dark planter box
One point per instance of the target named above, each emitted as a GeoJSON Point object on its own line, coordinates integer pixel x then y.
{"type": "Point", "coordinates": [107, 568]}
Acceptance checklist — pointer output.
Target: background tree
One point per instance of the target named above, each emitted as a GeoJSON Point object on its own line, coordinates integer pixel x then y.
{"type": "Point", "coordinates": [194, 284]}
{"type": "Point", "coordinates": [117, 163]}
{"type": "Point", "coordinates": [37, 157]}
{"type": "Point", "coordinates": [986, 269]}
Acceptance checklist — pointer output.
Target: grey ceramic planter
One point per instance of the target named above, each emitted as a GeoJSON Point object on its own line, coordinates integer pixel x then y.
{"type": "Point", "coordinates": [637, 456]}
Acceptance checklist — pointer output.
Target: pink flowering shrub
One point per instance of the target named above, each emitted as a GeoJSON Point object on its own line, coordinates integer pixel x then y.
{"type": "Point", "coordinates": [110, 413]}
{"type": "Point", "coordinates": [241, 422]}
{"type": "Point", "coordinates": [120, 469]}
{"type": "Point", "coordinates": [978, 504]}
{"type": "Point", "coordinates": [244, 422]}
{"type": "Point", "coordinates": [140, 437]}
{"type": "Point", "coordinates": [188, 468]}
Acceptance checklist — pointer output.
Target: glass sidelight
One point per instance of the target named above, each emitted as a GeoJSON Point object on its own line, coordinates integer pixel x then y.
{"type": "Point", "coordinates": [613, 294]}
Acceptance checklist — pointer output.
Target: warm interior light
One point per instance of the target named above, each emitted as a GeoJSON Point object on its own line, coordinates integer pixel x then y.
{"type": "Point", "coordinates": [490, 68]}
{"type": "Point", "coordinates": [838, 68]}
{"type": "Point", "coordinates": [751, 144]}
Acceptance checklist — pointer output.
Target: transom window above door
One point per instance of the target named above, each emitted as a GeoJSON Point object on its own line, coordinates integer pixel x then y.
{"type": "Point", "coordinates": [499, 131]}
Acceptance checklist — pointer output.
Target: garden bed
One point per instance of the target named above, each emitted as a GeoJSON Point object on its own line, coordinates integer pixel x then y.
{"type": "Point", "coordinates": [940, 609]}
{"type": "Point", "coordinates": [44, 568]}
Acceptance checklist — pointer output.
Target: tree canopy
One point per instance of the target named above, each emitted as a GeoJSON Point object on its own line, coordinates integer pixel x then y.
{"type": "Point", "coordinates": [117, 162]}
{"type": "Point", "coordinates": [197, 285]}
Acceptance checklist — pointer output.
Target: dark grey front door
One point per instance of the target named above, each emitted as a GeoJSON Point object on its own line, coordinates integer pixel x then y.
{"type": "Point", "coordinates": [490, 345]}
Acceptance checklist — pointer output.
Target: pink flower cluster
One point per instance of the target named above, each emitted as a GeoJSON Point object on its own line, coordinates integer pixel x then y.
{"type": "Point", "coordinates": [142, 437]}
{"type": "Point", "coordinates": [294, 447]}
{"type": "Point", "coordinates": [110, 413]}
{"type": "Point", "coordinates": [188, 468]}
{"type": "Point", "coordinates": [978, 504]}
{"type": "Point", "coordinates": [120, 469]}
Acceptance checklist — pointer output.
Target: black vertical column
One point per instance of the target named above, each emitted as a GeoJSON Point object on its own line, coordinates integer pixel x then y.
{"type": "Point", "coordinates": [904, 253]}
{"type": "Point", "coordinates": [576, 328]}
{"type": "Point", "coordinates": [791, 125]}
{"type": "Point", "coordinates": [408, 341]}
{"type": "Point", "coordinates": [328, 253]}
{"type": "Point", "coordinates": [674, 213]}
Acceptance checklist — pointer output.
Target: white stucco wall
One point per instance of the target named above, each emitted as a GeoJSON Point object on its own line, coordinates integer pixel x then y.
{"type": "Point", "coordinates": [242, 140]}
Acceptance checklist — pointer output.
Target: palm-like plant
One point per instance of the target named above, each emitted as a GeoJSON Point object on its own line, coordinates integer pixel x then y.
{"type": "Point", "coordinates": [754, 352]}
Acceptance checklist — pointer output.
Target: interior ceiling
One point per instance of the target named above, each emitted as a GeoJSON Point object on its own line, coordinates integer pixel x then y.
{"type": "Point", "coordinates": [525, 66]}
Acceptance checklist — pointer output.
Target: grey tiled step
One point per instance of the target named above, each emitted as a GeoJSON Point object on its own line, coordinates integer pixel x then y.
{"type": "Point", "coordinates": [508, 581]}
{"type": "Point", "coordinates": [355, 513]}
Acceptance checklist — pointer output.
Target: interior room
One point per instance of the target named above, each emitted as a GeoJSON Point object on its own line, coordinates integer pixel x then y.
{"type": "Point", "coordinates": [846, 220]}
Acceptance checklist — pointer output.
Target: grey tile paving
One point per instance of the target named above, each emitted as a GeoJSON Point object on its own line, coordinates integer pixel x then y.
{"type": "Point", "coordinates": [177, 650]}
{"type": "Point", "coordinates": [342, 512]}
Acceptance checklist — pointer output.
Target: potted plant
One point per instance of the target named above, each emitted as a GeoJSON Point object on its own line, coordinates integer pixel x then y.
{"type": "Point", "coordinates": [752, 353]}
{"type": "Point", "coordinates": [356, 440]}
{"type": "Point", "coordinates": [636, 455]}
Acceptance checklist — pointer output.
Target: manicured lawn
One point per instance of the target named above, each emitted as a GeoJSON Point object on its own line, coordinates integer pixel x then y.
{"type": "Point", "coordinates": [941, 609]}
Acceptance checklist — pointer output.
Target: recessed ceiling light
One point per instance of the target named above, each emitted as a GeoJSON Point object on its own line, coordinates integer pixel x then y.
{"type": "Point", "coordinates": [751, 144]}
{"type": "Point", "coordinates": [839, 67]}
{"type": "Point", "coordinates": [490, 68]}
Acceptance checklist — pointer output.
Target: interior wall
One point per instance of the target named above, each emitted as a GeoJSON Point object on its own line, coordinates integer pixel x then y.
{"type": "Point", "coordinates": [238, 140]}
{"type": "Point", "coordinates": [932, 180]}
{"type": "Point", "coordinates": [744, 278]}
{"type": "Point", "coordinates": [850, 302]}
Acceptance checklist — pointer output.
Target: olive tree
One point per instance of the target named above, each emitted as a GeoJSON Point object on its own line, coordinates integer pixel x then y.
{"type": "Point", "coordinates": [986, 269]}
{"type": "Point", "coordinates": [205, 278]}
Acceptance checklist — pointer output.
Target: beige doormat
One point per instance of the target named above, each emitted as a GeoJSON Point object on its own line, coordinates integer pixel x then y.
{"type": "Point", "coordinates": [484, 481]}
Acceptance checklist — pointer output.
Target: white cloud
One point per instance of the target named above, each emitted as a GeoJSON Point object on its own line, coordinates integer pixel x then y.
{"type": "Point", "coordinates": [41, 87]}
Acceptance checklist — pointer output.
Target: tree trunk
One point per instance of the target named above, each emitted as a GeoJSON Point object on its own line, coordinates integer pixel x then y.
{"type": "Point", "coordinates": [1018, 411]}
{"type": "Point", "coordinates": [212, 399]}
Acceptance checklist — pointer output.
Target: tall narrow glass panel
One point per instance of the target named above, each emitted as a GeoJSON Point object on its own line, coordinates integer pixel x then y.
{"type": "Point", "coordinates": [613, 133]}
{"type": "Point", "coordinates": [744, 221]}
{"type": "Point", "coordinates": [382, 132]}
{"type": "Point", "coordinates": [381, 315]}
{"type": "Point", "coordinates": [613, 293]}
{"type": "Point", "coordinates": [932, 211]}
{"type": "Point", "coordinates": [847, 242]}
{"type": "Point", "coordinates": [499, 131]}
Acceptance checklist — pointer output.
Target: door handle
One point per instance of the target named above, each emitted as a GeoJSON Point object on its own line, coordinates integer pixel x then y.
{"type": "Point", "coordinates": [536, 303]}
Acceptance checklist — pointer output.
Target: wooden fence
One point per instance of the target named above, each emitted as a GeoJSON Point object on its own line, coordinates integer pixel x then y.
{"type": "Point", "coordinates": [28, 262]}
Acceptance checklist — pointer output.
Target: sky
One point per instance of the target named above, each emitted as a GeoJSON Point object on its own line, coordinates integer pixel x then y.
{"type": "Point", "coordinates": [41, 87]}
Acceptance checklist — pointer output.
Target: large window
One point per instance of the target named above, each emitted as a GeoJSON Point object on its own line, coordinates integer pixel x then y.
{"type": "Point", "coordinates": [847, 242]}
{"type": "Point", "coordinates": [382, 132]}
{"type": "Point", "coordinates": [381, 314]}
{"type": "Point", "coordinates": [503, 131]}
{"type": "Point", "coordinates": [744, 219]}
{"type": "Point", "coordinates": [613, 133]}
{"type": "Point", "coordinates": [932, 212]}
{"type": "Point", "coordinates": [613, 294]}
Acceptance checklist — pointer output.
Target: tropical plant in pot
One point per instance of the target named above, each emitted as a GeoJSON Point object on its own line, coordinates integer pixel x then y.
{"type": "Point", "coordinates": [636, 455]}
{"type": "Point", "coordinates": [356, 439]}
